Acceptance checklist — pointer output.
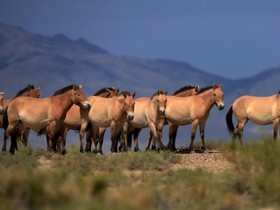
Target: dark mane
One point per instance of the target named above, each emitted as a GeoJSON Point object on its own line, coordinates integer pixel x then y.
{"type": "Point", "coordinates": [104, 90]}
{"type": "Point", "coordinates": [279, 92]}
{"type": "Point", "coordinates": [21, 92]}
{"type": "Point", "coordinates": [202, 90]}
{"type": "Point", "coordinates": [158, 93]}
{"type": "Point", "coordinates": [182, 89]}
{"type": "Point", "coordinates": [65, 89]}
{"type": "Point", "coordinates": [127, 93]}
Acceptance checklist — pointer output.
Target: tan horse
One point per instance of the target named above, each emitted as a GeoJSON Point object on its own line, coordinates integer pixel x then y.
{"type": "Point", "coordinates": [260, 110]}
{"type": "Point", "coordinates": [184, 91]}
{"type": "Point", "coordinates": [29, 91]}
{"type": "Point", "coordinates": [194, 109]}
{"type": "Point", "coordinates": [1, 102]}
{"type": "Point", "coordinates": [42, 115]}
{"type": "Point", "coordinates": [110, 112]}
{"type": "Point", "coordinates": [148, 112]}
{"type": "Point", "coordinates": [77, 116]}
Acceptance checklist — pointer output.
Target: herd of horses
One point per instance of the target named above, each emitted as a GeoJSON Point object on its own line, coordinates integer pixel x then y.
{"type": "Point", "coordinates": [70, 109]}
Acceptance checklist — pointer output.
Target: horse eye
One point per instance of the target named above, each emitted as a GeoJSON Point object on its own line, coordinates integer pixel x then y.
{"type": "Point", "coordinates": [215, 94]}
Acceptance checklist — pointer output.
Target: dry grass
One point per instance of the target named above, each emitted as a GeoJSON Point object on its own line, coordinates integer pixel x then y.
{"type": "Point", "coordinates": [36, 179]}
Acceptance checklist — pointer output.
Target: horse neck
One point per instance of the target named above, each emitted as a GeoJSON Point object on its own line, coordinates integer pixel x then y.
{"type": "Point", "coordinates": [207, 97]}
{"type": "Point", "coordinates": [64, 101]}
{"type": "Point", "coordinates": [185, 93]}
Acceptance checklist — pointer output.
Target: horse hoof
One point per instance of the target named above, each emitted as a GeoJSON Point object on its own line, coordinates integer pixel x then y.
{"type": "Point", "coordinates": [64, 152]}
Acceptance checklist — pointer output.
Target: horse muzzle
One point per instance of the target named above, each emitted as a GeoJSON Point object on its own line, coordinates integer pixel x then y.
{"type": "Point", "coordinates": [161, 112]}
{"type": "Point", "coordinates": [86, 105]}
{"type": "Point", "coordinates": [221, 106]}
{"type": "Point", "coordinates": [130, 117]}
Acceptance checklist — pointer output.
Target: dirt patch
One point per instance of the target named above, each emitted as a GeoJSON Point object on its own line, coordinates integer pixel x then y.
{"type": "Point", "coordinates": [212, 162]}
{"type": "Point", "coordinates": [44, 164]}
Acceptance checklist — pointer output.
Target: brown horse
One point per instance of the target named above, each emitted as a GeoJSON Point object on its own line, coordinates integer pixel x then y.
{"type": "Point", "coordinates": [148, 112]}
{"type": "Point", "coordinates": [194, 110]}
{"type": "Point", "coordinates": [260, 110]}
{"type": "Point", "coordinates": [110, 112]}
{"type": "Point", "coordinates": [1, 102]}
{"type": "Point", "coordinates": [77, 116]}
{"type": "Point", "coordinates": [28, 91]}
{"type": "Point", "coordinates": [43, 115]}
{"type": "Point", "coordinates": [184, 91]}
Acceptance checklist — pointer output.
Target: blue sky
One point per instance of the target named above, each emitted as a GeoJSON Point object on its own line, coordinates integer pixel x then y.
{"type": "Point", "coordinates": [231, 38]}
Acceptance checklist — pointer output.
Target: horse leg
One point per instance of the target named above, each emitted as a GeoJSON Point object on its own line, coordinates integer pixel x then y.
{"type": "Point", "coordinates": [25, 135]}
{"type": "Point", "coordinates": [194, 127]}
{"type": "Point", "coordinates": [156, 136]}
{"type": "Point", "coordinates": [115, 129]}
{"type": "Point", "coordinates": [5, 139]}
{"type": "Point", "coordinates": [7, 134]}
{"type": "Point", "coordinates": [124, 142]}
{"type": "Point", "coordinates": [100, 139]}
{"type": "Point", "coordinates": [136, 132]}
{"type": "Point", "coordinates": [149, 140]}
{"type": "Point", "coordinates": [201, 130]}
{"type": "Point", "coordinates": [240, 128]}
{"type": "Point", "coordinates": [275, 128]}
{"type": "Point", "coordinates": [89, 139]}
{"type": "Point", "coordinates": [13, 146]}
{"type": "Point", "coordinates": [172, 137]}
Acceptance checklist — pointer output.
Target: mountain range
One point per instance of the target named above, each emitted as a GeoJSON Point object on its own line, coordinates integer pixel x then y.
{"type": "Point", "coordinates": [55, 62]}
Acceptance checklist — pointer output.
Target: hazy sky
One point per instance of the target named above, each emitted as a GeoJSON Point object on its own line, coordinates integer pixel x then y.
{"type": "Point", "coordinates": [232, 38]}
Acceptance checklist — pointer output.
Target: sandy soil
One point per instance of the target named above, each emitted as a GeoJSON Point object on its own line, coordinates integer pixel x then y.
{"type": "Point", "coordinates": [212, 162]}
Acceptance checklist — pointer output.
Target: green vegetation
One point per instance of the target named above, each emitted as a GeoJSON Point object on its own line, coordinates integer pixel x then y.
{"type": "Point", "coordinates": [37, 179]}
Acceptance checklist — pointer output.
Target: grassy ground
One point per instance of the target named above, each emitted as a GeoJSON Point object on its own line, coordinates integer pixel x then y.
{"type": "Point", "coordinates": [37, 179]}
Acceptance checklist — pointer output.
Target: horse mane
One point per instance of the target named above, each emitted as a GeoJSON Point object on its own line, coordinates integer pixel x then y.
{"type": "Point", "coordinates": [182, 89]}
{"type": "Point", "coordinates": [127, 93]}
{"type": "Point", "coordinates": [279, 92]}
{"type": "Point", "coordinates": [158, 93]}
{"type": "Point", "coordinates": [104, 90]}
{"type": "Point", "coordinates": [202, 90]}
{"type": "Point", "coordinates": [21, 92]}
{"type": "Point", "coordinates": [65, 89]}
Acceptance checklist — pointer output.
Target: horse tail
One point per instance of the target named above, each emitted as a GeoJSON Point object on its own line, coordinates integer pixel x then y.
{"type": "Point", "coordinates": [5, 118]}
{"type": "Point", "coordinates": [230, 125]}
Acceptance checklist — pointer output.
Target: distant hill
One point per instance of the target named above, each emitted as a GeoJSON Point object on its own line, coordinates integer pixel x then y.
{"type": "Point", "coordinates": [54, 62]}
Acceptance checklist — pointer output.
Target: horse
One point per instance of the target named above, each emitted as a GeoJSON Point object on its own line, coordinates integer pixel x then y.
{"type": "Point", "coordinates": [260, 110]}
{"type": "Point", "coordinates": [184, 91]}
{"type": "Point", "coordinates": [148, 112]}
{"type": "Point", "coordinates": [110, 112]}
{"type": "Point", "coordinates": [29, 91]}
{"type": "Point", "coordinates": [1, 102]}
{"type": "Point", "coordinates": [194, 110]}
{"type": "Point", "coordinates": [43, 115]}
{"type": "Point", "coordinates": [77, 114]}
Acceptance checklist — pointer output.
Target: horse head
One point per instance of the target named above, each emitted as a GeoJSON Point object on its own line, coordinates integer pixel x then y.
{"type": "Point", "coordinates": [129, 104]}
{"type": "Point", "coordinates": [112, 92]}
{"type": "Point", "coordinates": [79, 97]}
{"type": "Point", "coordinates": [218, 96]}
{"type": "Point", "coordinates": [161, 99]}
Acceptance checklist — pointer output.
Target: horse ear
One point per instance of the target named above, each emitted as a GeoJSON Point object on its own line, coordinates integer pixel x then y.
{"type": "Point", "coordinates": [133, 95]}
{"type": "Point", "coordinates": [38, 88]}
{"type": "Point", "coordinates": [221, 86]}
{"type": "Point", "coordinates": [2, 93]}
{"type": "Point", "coordinates": [165, 93]}
{"type": "Point", "coordinates": [80, 86]}
{"type": "Point", "coordinates": [197, 88]}
{"type": "Point", "coordinates": [214, 86]}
